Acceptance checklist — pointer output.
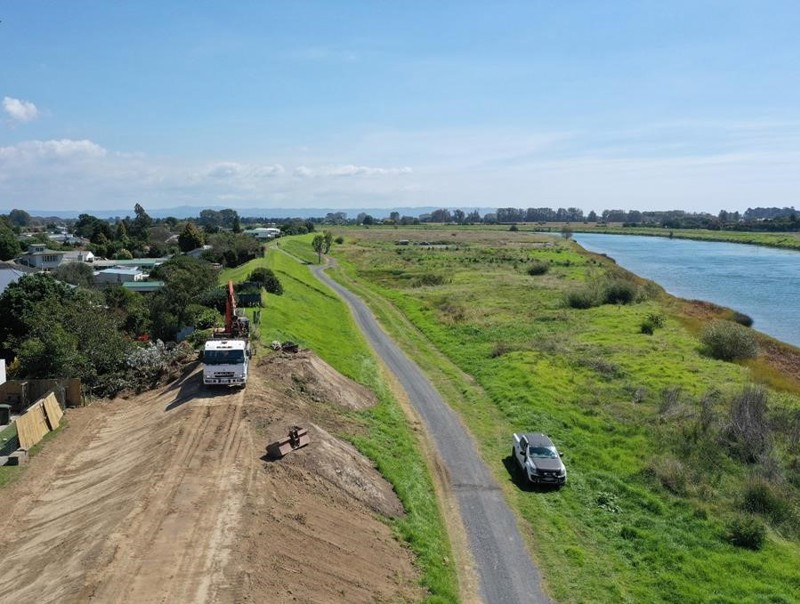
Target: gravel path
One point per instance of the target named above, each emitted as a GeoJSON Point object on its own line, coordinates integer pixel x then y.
{"type": "Point", "coordinates": [506, 572]}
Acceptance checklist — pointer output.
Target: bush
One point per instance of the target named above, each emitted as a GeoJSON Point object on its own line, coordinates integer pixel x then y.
{"type": "Point", "coordinates": [537, 267]}
{"type": "Point", "coordinates": [267, 279]}
{"type": "Point", "coordinates": [762, 497]}
{"type": "Point", "coordinates": [619, 291]}
{"type": "Point", "coordinates": [748, 432]}
{"type": "Point", "coordinates": [728, 341]}
{"type": "Point", "coordinates": [583, 298]}
{"type": "Point", "coordinates": [652, 322]}
{"type": "Point", "coordinates": [339, 240]}
{"type": "Point", "coordinates": [741, 319]}
{"type": "Point", "coordinates": [746, 530]}
{"type": "Point", "coordinates": [201, 317]}
{"type": "Point", "coordinates": [501, 348]}
{"type": "Point", "coordinates": [429, 279]}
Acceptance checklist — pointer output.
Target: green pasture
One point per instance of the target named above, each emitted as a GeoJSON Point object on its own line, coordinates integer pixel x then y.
{"type": "Point", "coordinates": [644, 516]}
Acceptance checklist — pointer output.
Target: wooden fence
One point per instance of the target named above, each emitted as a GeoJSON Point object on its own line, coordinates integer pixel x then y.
{"type": "Point", "coordinates": [40, 418]}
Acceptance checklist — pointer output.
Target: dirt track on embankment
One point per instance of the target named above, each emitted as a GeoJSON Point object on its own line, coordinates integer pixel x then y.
{"type": "Point", "coordinates": [164, 497]}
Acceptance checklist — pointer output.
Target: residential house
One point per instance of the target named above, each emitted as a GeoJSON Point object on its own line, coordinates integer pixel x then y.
{"type": "Point", "coordinates": [198, 251]}
{"type": "Point", "coordinates": [263, 233]}
{"type": "Point", "coordinates": [38, 256]}
{"type": "Point", "coordinates": [10, 273]}
{"type": "Point", "coordinates": [119, 274]}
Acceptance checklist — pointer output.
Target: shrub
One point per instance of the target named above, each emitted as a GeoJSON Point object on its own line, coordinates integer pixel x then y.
{"type": "Point", "coordinates": [267, 279]}
{"type": "Point", "coordinates": [741, 319]}
{"type": "Point", "coordinates": [728, 341]}
{"type": "Point", "coordinates": [671, 473]}
{"type": "Point", "coordinates": [582, 298]}
{"type": "Point", "coordinates": [748, 431]}
{"type": "Point", "coordinates": [762, 497]}
{"type": "Point", "coordinates": [619, 291]}
{"type": "Point", "coordinates": [746, 530]}
{"type": "Point", "coordinates": [514, 228]}
{"type": "Point", "coordinates": [339, 240]}
{"type": "Point", "coordinates": [501, 348]}
{"type": "Point", "coordinates": [429, 279]}
{"type": "Point", "coordinates": [537, 267]}
{"type": "Point", "coordinates": [201, 317]}
{"type": "Point", "coordinates": [652, 321]}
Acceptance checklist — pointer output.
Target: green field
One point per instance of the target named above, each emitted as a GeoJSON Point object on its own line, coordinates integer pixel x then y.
{"type": "Point", "coordinates": [311, 314]}
{"type": "Point", "coordinates": [653, 487]}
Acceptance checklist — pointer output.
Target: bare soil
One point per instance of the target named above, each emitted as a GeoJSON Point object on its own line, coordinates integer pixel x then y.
{"type": "Point", "coordinates": [168, 497]}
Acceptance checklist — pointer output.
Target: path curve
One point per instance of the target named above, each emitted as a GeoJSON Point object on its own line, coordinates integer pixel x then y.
{"type": "Point", "coordinates": [506, 572]}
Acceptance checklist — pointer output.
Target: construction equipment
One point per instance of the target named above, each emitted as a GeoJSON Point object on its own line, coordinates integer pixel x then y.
{"type": "Point", "coordinates": [226, 355]}
{"type": "Point", "coordinates": [298, 437]}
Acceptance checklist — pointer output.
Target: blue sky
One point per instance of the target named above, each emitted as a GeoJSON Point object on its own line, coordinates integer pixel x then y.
{"type": "Point", "coordinates": [646, 105]}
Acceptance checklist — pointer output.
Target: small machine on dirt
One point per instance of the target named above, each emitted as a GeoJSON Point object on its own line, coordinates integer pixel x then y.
{"type": "Point", "coordinates": [298, 437]}
{"type": "Point", "coordinates": [227, 354]}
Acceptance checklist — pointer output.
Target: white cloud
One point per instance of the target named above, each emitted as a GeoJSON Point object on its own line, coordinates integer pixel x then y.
{"type": "Point", "coordinates": [63, 149]}
{"type": "Point", "coordinates": [19, 110]}
{"type": "Point", "coordinates": [349, 170]}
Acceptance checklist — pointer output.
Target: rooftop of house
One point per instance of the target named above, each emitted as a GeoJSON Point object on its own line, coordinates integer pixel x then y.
{"type": "Point", "coordinates": [143, 286]}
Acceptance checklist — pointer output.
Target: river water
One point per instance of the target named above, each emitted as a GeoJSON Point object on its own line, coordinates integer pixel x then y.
{"type": "Point", "coordinates": [758, 281]}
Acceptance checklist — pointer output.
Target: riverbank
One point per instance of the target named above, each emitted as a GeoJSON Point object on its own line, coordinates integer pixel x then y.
{"type": "Point", "coordinates": [789, 241]}
{"type": "Point", "coordinates": [655, 484]}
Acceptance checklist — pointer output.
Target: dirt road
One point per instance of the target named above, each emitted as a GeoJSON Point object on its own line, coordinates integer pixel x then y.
{"type": "Point", "coordinates": [164, 497]}
{"type": "Point", "coordinates": [507, 573]}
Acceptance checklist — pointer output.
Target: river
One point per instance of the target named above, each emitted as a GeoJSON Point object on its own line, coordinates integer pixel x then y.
{"type": "Point", "coordinates": [758, 281]}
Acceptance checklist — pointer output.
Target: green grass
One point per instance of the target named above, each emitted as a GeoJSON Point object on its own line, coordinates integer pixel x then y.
{"type": "Point", "coordinates": [299, 246]}
{"type": "Point", "coordinates": [593, 382]}
{"type": "Point", "coordinates": [311, 314]}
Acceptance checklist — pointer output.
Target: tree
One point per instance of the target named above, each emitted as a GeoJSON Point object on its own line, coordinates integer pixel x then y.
{"type": "Point", "coordinates": [592, 217]}
{"type": "Point", "coordinates": [187, 279]}
{"type": "Point", "coordinates": [267, 279]}
{"type": "Point", "coordinates": [328, 237]}
{"type": "Point", "coordinates": [19, 218]}
{"type": "Point", "coordinates": [318, 244]}
{"type": "Point", "coordinates": [237, 224]}
{"type": "Point", "coordinates": [139, 228]}
{"type": "Point", "coordinates": [566, 233]}
{"type": "Point", "coordinates": [190, 238]}
{"type": "Point", "coordinates": [9, 244]}
{"type": "Point", "coordinates": [75, 273]}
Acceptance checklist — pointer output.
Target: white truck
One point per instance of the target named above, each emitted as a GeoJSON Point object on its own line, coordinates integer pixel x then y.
{"type": "Point", "coordinates": [226, 355]}
{"type": "Point", "coordinates": [225, 362]}
{"type": "Point", "coordinates": [538, 458]}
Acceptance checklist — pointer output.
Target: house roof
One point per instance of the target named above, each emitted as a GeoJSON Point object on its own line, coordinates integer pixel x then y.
{"type": "Point", "coordinates": [143, 286]}
{"type": "Point", "coordinates": [121, 270]}
{"type": "Point", "coordinates": [10, 273]}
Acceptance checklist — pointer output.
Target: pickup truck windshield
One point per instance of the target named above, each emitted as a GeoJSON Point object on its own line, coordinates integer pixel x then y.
{"type": "Point", "coordinates": [223, 357]}
{"type": "Point", "coordinates": [545, 452]}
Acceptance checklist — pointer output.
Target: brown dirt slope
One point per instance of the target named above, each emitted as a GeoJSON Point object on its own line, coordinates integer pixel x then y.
{"type": "Point", "coordinates": [165, 497]}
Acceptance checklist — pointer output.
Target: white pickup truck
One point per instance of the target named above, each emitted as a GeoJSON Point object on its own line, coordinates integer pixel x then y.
{"type": "Point", "coordinates": [538, 458]}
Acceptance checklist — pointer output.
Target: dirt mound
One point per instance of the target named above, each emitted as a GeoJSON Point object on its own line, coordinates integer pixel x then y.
{"type": "Point", "coordinates": [308, 376]}
{"type": "Point", "coordinates": [165, 498]}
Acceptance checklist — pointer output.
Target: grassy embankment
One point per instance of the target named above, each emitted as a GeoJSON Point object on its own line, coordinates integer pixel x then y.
{"type": "Point", "coordinates": [309, 313]}
{"type": "Point", "coordinates": [652, 483]}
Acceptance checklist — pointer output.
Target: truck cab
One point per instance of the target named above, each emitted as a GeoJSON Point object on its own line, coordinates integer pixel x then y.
{"type": "Point", "coordinates": [538, 458]}
{"type": "Point", "coordinates": [225, 362]}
